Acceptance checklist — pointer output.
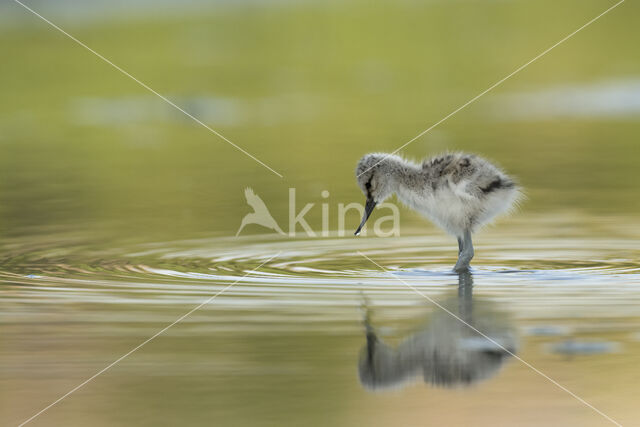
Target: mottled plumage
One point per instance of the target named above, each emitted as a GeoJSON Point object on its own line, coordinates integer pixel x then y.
{"type": "Point", "coordinates": [459, 192]}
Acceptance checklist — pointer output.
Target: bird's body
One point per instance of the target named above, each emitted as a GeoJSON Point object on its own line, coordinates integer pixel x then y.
{"type": "Point", "coordinates": [459, 192]}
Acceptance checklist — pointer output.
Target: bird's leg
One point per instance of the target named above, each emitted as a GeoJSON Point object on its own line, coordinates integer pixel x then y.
{"type": "Point", "coordinates": [466, 254]}
{"type": "Point", "coordinates": [372, 338]}
{"type": "Point", "coordinates": [465, 296]}
{"type": "Point", "coordinates": [459, 246]}
{"type": "Point", "coordinates": [364, 306]}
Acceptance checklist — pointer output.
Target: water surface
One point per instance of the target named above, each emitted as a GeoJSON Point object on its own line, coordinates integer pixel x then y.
{"type": "Point", "coordinates": [285, 344]}
{"type": "Point", "coordinates": [117, 215]}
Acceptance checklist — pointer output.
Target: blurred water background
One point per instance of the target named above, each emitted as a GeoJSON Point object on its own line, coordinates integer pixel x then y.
{"type": "Point", "coordinates": [118, 212]}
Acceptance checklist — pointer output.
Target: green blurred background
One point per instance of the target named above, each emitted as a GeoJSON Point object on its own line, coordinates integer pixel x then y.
{"type": "Point", "coordinates": [307, 87]}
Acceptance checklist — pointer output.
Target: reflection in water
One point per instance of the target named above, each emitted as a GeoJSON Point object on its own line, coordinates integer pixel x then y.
{"type": "Point", "coordinates": [445, 351]}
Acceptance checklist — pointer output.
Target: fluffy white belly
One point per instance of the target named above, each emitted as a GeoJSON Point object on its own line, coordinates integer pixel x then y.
{"type": "Point", "coordinates": [454, 210]}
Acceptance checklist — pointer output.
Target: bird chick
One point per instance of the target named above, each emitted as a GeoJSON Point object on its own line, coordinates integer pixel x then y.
{"type": "Point", "coordinates": [459, 192]}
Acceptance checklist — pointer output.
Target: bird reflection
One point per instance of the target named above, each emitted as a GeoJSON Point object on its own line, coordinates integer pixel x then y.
{"type": "Point", "coordinates": [444, 351]}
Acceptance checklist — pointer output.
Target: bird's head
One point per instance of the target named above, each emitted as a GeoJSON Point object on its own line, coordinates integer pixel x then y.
{"type": "Point", "coordinates": [375, 177]}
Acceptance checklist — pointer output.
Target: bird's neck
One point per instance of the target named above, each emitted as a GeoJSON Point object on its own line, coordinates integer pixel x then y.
{"type": "Point", "coordinates": [407, 179]}
{"type": "Point", "coordinates": [405, 174]}
{"type": "Point", "coordinates": [397, 175]}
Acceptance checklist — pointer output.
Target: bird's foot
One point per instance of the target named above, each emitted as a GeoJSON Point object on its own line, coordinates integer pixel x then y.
{"type": "Point", "coordinates": [461, 267]}
{"type": "Point", "coordinates": [463, 262]}
{"type": "Point", "coordinates": [465, 254]}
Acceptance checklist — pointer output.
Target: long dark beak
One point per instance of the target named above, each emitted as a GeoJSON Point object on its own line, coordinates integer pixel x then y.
{"type": "Point", "coordinates": [368, 208]}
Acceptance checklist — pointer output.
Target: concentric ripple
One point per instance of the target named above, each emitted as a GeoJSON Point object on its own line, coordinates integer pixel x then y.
{"type": "Point", "coordinates": [327, 274]}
